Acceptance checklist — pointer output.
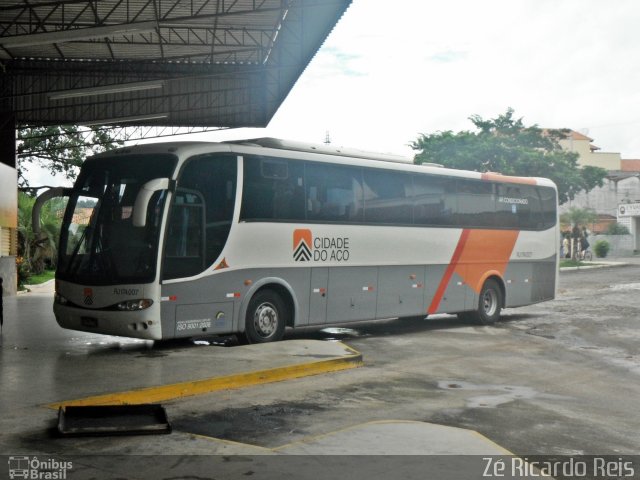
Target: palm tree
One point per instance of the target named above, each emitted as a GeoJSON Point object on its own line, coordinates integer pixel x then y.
{"type": "Point", "coordinates": [37, 252]}
{"type": "Point", "coordinates": [578, 217]}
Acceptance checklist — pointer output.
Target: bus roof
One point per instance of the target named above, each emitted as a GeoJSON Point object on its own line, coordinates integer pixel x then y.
{"type": "Point", "coordinates": [279, 144]}
{"type": "Point", "coordinates": [187, 148]}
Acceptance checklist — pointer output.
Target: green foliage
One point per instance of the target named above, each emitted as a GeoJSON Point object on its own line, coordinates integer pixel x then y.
{"type": "Point", "coordinates": [42, 277]}
{"type": "Point", "coordinates": [617, 229]}
{"type": "Point", "coordinates": [506, 145]}
{"type": "Point", "coordinates": [601, 248]}
{"type": "Point", "coordinates": [23, 270]}
{"type": "Point", "coordinates": [38, 253]}
{"type": "Point", "coordinates": [578, 216]}
{"type": "Point", "coordinates": [60, 149]}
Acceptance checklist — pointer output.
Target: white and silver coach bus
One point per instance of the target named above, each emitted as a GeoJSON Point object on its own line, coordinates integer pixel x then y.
{"type": "Point", "coordinates": [185, 239]}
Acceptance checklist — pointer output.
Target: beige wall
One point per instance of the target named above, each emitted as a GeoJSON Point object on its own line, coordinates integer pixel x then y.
{"type": "Point", "coordinates": [606, 160]}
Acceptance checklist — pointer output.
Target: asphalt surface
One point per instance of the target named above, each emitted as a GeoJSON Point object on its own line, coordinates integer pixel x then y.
{"type": "Point", "coordinates": [557, 378]}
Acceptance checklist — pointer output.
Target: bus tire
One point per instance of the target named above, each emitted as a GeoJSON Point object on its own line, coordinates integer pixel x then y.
{"type": "Point", "coordinates": [490, 303]}
{"type": "Point", "coordinates": [266, 318]}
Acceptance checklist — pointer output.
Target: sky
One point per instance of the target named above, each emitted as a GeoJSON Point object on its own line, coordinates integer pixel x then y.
{"type": "Point", "coordinates": [390, 71]}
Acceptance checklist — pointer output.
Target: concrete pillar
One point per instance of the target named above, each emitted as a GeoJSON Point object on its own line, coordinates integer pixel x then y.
{"type": "Point", "coordinates": [7, 139]}
{"type": "Point", "coordinates": [8, 202]}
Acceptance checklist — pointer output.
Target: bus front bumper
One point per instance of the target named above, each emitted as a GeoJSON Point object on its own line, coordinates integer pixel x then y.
{"type": "Point", "coordinates": [143, 324]}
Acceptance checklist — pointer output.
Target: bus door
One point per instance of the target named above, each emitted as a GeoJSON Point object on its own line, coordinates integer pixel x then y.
{"type": "Point", "coordinates": [184, 248]}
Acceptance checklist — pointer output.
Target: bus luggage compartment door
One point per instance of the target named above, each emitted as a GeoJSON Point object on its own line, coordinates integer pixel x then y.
{"type": "Point", "coordinates": [400, 291]}
{"type": "Point", "coordinates": [352, 293]}
{"type": "Point", "coordinates": [318, 295]}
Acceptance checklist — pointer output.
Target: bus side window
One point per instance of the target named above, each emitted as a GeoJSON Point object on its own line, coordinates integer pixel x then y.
{"type": "Point", "coordinates": [313, 203]}
{"type": "Point", "coordinates": [273, 189]}
{"type": "Point", "coordinates": [334, 193]}
{"type": "Point", "coordinates": [548, 206]}
{"type": "Point", "coordinates": [387, 197]}
{"type": "Point", "coordinates": [476, 203]}
{"type": "Point", "coordinates": [431, 203]}
{"type": "Point", "coordinates": [506, 207]}
{"type": "Point", "coordinates": [519, 206]}
{"type": "Point", "coordinates": [532, 219]}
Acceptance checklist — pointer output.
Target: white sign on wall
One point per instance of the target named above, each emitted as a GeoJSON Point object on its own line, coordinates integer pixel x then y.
{"type": "Point", "coordinates": [629, 210]}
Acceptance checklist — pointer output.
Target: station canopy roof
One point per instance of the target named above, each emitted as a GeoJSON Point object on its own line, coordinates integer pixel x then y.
{"type": "Point", "coordinates": [223, 63]}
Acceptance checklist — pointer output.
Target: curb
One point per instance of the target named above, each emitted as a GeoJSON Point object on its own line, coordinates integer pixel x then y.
{"type": "Point", "coordinates": [174, 391]}
{"type": "Point", "coordinates": [597, 265]}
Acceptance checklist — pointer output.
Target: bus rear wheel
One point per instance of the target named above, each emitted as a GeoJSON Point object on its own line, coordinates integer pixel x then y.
{"type": "Point", "coordinates": [490, 303]}
{"type": "Point", "coordinates": [266, 318]}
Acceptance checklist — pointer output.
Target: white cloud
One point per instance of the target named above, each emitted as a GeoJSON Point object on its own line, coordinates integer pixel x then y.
{"type": "Point", "coordinates": [392, 70]}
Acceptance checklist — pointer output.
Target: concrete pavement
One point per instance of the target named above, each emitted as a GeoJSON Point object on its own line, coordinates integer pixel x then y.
{"type": "Point", "coordinates": [43, 367]}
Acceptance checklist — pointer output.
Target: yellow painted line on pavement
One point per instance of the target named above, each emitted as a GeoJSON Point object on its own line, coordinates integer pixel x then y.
{"type": "Point", "coordinates": [162, 393]}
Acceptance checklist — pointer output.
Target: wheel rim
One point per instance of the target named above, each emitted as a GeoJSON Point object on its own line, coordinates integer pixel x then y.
{"type": "Point", "coordinates": [490, 302]}
{"type": "Point", "coordinates": [265, 320]}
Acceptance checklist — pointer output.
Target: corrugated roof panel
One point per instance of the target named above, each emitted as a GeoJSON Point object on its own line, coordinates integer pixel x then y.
{"type": "Point", "coordinates": [53, 47]}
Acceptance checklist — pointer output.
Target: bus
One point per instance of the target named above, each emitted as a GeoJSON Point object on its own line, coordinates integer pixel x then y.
{"type": "Point", "coordinates": [250, 237]}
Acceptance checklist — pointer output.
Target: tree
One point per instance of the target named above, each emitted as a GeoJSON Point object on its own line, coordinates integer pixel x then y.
{"type": "Point", "coordinates": [507, 146]}
{"type": "Point", "coordinates": [36, 253]}
{"type": "Point", "coordinates": [578, 217]}
{"type": "Point", "coordinates": [61, 149]}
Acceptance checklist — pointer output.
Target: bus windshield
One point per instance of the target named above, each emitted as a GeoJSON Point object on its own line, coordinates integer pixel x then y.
{"type": "Point", "coordinates": [99, 244]}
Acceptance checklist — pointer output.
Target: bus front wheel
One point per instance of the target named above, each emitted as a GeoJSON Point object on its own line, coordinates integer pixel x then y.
{"type": "Point", "coordinates": [265, 320]}
{"type": "Point", "coordinates": [489, 305]}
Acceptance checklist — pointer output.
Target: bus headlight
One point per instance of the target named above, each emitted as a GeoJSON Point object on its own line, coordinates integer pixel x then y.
{"type": "Point", "coordinates": [60, 300]}
{"type": "Point", "coordinates": [133, 305]}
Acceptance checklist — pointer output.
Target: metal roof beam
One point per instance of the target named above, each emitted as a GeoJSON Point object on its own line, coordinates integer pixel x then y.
{"type": "Point", "coordinates": [105, 90]}
{"type": "Point", "coordinates": [223, 62]}
{"type": "Point", "coordinates": [64, 36]}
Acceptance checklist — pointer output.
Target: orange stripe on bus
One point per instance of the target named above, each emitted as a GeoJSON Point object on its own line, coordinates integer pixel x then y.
{"type": "Point", "coordinates": [478, 254]}
{"type": "Point", "coordinates": [507, 178]}
{"type": "Point", "coordinates": [437, 298]}
{"type": "Point", "coordinates": [485, 251]}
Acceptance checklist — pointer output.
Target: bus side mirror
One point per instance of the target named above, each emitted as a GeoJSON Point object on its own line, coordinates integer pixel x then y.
{"type": "Point", "coordinates": [40, 200]}
{"type": "Point", "coordinates": [142, 199]}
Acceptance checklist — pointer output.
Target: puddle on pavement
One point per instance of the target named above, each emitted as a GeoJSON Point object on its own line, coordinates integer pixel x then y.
{"type": "Point", "coordinates": [97, 345]}
{"type": "Point", "coordinates": [265, 425]}
{"type": "Point", "coordinates": [534, 331]}
{"type": "Point", "coordinates": [625, 286]}
{"type": "Point", "coordinates": [225, 341]}
{"type": "Point", "coordinates": [493, 395]}
{"type": "Point", "coordinates": [336, 333]}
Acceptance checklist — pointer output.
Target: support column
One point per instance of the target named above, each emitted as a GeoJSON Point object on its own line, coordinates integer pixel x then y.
{"type": "Point", "coordinates": [8, 203]}
{"type": "Point", "coordinates": [7, 138]}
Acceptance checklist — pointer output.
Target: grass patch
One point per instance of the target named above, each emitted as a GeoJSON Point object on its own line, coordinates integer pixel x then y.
{"type": "Point", "coordinates": [575, 263]}
{"type": "Point", "coordinates": [41, 277]}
